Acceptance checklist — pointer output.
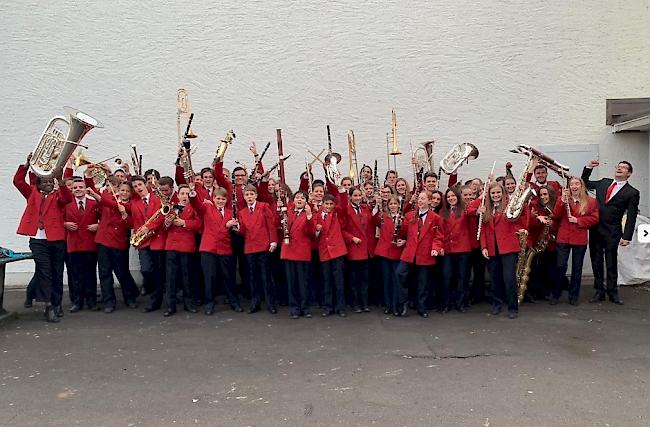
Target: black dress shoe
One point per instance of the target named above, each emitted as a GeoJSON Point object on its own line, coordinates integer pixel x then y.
{"type": "Point", "coordinates": [553, 301]}
{"type": "Point", "coordinates": [512, 315]}
{"type": "Point", "coordinates": [28, 303]}
{"type": "Point", "coordinates": [598, 297]}
{"type": "Point", "coordinates": [109, 309]}
{"type": "Point", "coordinates": [253, 309]}
{"type": "Point", "coordinates": [294, 316]}
{"type": "Point", "coordinates": [191, 309]}
{"type": "Point", "coordinates": [50, 316]}
{"type": "Point", "coordinates": [496, 311]}
{"type": "Point", "coordinates": [573, 301]}
{"type": "Point", "coordinates": [149, 309]}
{"type": "Point", "coordinates": [58, 310]}
{"type": "Point", "coordinates": [326, 313]}
{"type": "Point", "coordinates": [387, 310]}
{"type": "Point", "coordinates": [308, 315]}
{"type": "Point", "coordinates": [238, 309]}
{"type": "Point", "coordinates": [423, 314]}
{"type": "Point", "coordinates": [463, 309]}
{"type": "Point", "coordinates": [358, 310]}
{"type": "Point", "coordinates": [342, 314]}
{"type": "Point", "coordinates": [273, 310]}
{"type": "Point", "coordinates": [132, 305]}
{"type": "Point", "coordinates": [168, 313]}
{"type": "Point", "coordinates": [75, 308]}
{"type": "Point", "coordinates": [616, 300]}
{"type": "Point", "coordinates": [366, 310]}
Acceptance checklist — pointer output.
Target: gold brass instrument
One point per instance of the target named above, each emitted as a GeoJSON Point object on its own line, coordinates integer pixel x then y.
{"type": "Point", "coordinates": [144, 233]}
{"type": "Point", "coordinates": [186, 156]}
{"type": "Point", "coordinates": [221, 151]}
{"type": "Point", "coordinates": [352, 157]}
{"type": "Point", "coordinates": [182, 110]}
{"type": "Point", "coordinates": [332, 159]}
{"type": "Point", "coordinates": [483, 196]}
{"type": "Point", "coordinates": [526, 255]}
{"type": "Point", "coordinates": [394, 151]}
{"type": "Point", "coordinates": [519, 197]}
{"type": "Point", "coordinates": [458, 155]}
{"type": "Point", "coordinates": [99, 174]}
{"type": "Point", "coordinates": [424, 156]}
{"type": "Point", "coordinates": [56, 145]}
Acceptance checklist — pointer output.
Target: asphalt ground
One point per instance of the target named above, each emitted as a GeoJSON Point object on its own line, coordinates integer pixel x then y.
{"type": "Point", "coordinates": [555, 365]}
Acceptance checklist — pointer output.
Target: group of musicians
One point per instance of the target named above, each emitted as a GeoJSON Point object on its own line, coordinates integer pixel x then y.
{"type": "Point", "coordinates": [334, 243]}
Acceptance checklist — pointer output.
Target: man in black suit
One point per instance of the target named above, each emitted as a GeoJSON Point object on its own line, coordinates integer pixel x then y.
{"type": "Point", "coordinates": [615, 197]}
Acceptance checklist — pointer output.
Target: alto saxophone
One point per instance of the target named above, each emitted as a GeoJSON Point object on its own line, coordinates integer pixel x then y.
{"type": "Point", "coordinates": [143, 233]}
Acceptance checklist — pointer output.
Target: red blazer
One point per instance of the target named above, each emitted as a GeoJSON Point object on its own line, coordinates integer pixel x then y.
{"type": "Point", "coordinates": [361, 226]}
{"type": "Point", "coordinates": [457, 231]}
{"type": "Point", "coordinates": [216, 236]}
{"type": "Point", "coordinates": [420, 244]}
{"type": "Point", "coordinates": [182, 239]}
{"type": "Point", "coordinates": [575, 234]}
{"type": "Point", "coordinates": [81, 240]}
{"type": "Point", "coordinates": [113, 231]}
{"type": "Point", "coordinates": [535, 228]}
{"type": "Point", "coordinates": [227, 184]}
{"type": "Point", "coordinates": [503, 232]}
{"type": "Point", "coordinates": [51, 214]}
{"type": "Point", "coordinates": [330, 239]}
{"type": "Point", "coordinates": [257, 228]}
{"type": "Point", "coordinates": [385, 247]}
{"type": "Point", "coordinates": [141, 214]}
{"type": "Point", "coordinates": [301, 233]}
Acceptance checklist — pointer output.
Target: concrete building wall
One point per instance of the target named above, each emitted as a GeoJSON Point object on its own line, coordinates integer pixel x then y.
{"type": "Point", "coordinates": [495, 74]}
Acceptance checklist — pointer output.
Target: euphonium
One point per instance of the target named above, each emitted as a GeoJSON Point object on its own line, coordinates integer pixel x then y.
{"type": "Point", "coordinates": [99, 174]}
{"type": "Point", "coordinates": [55, 145]}
{"type": "Point", "coordinates": [458, 155]}
{"type": "Point", "coordinates": [352, 156]}
{"type": "Point", "coordinates": [332, 159]}
{"type": "Point", "coordinates": [221, 151]}
{"type": "Point", "coordinates": [182, 109]}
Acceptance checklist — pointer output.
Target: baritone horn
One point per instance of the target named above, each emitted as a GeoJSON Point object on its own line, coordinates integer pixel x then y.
{"type": "Point", "coordinates": [56, 144]}
{"type": "Point", "coordinates": [352, 156]}
{"type": "Point", "coordinates": [458, 155]}
{"type": "Point", "coordinates": [182, 112]}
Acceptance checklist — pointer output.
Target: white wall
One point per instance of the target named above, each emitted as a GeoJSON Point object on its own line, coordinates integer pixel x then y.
{"type": "Point", "coordinates": [495, 74]}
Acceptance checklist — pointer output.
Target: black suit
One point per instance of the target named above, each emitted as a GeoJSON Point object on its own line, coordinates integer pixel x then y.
{"type": "Point", "coordinates": [605, 236]}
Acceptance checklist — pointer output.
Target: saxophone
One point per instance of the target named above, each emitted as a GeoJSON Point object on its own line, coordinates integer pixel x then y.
{"type": "Point", "coordinates": [143, 233]}
{"type": "Point", "coordinates": [526, 256]}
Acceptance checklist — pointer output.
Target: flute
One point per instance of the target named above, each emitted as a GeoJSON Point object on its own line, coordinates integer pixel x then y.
{"type": "Point", "coordinates": [480, 215]}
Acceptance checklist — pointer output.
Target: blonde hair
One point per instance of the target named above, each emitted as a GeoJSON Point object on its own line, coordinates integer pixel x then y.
{"type": "Point", "coordinates": [582, 194]}
{"type": "Point", "coordinates": [489, 205]}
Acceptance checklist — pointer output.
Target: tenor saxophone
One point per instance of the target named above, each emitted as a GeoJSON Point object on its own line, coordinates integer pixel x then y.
{"type": "Point", "coordinates": [527, 255]}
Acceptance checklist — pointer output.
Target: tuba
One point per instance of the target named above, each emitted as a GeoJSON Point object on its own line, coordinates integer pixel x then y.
{"type": "Point", "coordinates": [424, 156]}
{"type": "Point", "coordinates": [352, 156]}
{"type": "Point", "coordinates": [221, 151]}
{"type": "Point", "coordinates": [458, 155]}
{"type": "Point", "coordinates": [56, 145]}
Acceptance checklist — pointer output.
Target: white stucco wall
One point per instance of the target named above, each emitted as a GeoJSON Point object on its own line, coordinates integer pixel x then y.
{"type": "Point", "coordinates": [493, 73]}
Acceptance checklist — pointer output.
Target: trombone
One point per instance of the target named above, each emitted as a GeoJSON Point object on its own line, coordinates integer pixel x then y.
{"type": "Point", "coordinates": [394, 148]}
{"type": "Point", "coordinates": [352, 157]}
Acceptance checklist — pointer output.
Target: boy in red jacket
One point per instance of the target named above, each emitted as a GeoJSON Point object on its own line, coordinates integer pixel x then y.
{"type": "Point", "coordinates": [81, 222]}
{"type": "Point", "coordinates": [182, 224]}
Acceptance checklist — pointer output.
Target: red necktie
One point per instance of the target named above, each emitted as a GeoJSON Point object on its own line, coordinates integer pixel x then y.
{"type": "Point", "coordinates": [609, 191]}
{"type": "Point", "coordinates": [81, 207]}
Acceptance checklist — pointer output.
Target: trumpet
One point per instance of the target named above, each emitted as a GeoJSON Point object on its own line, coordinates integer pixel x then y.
{"type": "Point", "coordinates": [55, 145]}
{"type": "Point", "coordinates": [352, 157]}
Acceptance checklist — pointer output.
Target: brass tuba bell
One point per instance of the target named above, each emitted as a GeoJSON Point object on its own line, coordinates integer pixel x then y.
{"type": "Point", "coordinates": [458, 155]}
{"type": "Point", "coordinates": [56, 144]}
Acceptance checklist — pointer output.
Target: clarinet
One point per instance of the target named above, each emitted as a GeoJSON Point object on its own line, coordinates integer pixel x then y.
{"type": "Point", "coordinates": [480, 216]}
{"type": "Point", "coordinates": [376, 191]}
{"type": "Point", "coordinates": [284, 215]}
{"type": "Point", "coordinates": [234, 200]}
{"type": "Point", "coordinates": [398, 221]}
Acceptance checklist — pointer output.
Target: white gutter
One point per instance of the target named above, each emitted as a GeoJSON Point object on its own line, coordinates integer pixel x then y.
{"type": "Point", "coordinates": [640, 123]}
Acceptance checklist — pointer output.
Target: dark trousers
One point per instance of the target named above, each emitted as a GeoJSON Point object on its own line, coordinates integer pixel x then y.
{"type": "Point", "coordinates": [278, 278]}
{"type": "Point", "coordinates": [238, 251]}
{"type": "Point", "coordinates": [544, 277]}
{"type": "Point", "coordinates": [389, 280]}
{"type": "Point", "coordinates": [333, 285]}
{"type": "Point", "coordinates": [477, 263]}
{"type": "Point", "coordinates": [152, 266]}
{"type": "Point", "coordinates": [375, 288]}
{"type": "Point", "coordinates": [258, 279]}
{"type": "Point", "coordinates": [219, 269]}
{"type": "Point", "coordinates": [109, 261]}
{"type": "Point", "coordinates": [456, 280]}
{"type": "Point", "coordinates": [48, 272]}
{"type": "Point", "coordinates": [178, 270]}
{"type": "Point", "coordinates": [196, 273]}
{"type": "Point", "coordinates": [297, 274]}
{"type": "Point", "coordinates": [607, 249]}
{"type": "Point", "coordinates": [316, 280]}
{"type": "Point", "coordinates": [421, 276]}
{"type": "Point", "coordinates": [503, 271]}
{"type": "Point", "coordinates": [577, 257]}
{"type": "Point", "coordinates": [358, 271]}
{"type": "Point", "coordinates": [72, 292]}
{"type": "Point", "coordinates": [83, 289]}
